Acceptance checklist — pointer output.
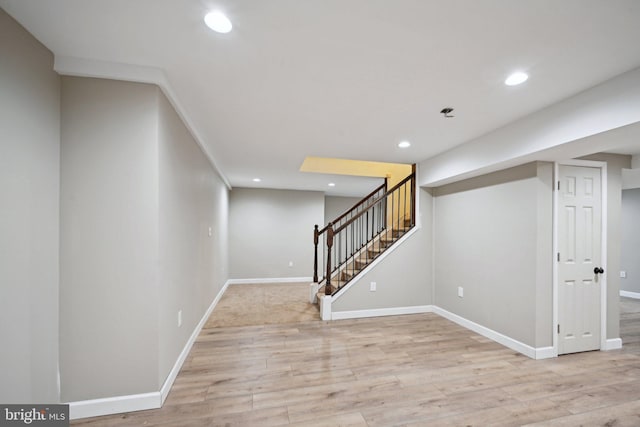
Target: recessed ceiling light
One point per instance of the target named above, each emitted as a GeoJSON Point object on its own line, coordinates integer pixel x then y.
{"type": "Point", "coordinates": [516, 78]}
{"type": "Point", "coordinates": [218, 22]}
{"type": "Point", "coordinates": [332, 184]}
{"type": "Point", "coordinates": [404, 144]}
{"type": "Point", "coordinates": [256, 180]}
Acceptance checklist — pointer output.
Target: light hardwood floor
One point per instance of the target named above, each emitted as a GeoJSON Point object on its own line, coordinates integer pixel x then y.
{"type": "Point", "coordinates": [415, 370]}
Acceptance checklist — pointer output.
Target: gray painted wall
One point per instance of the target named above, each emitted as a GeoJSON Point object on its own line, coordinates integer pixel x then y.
{"type": "Point", "coordinates": [615, 164]}
{"type": "Point", "coordinates": [630, 179]}
{"type": "Point", "coordinates": [493, 237]}
{"type": "Point", "coordinates": [193, 265]}
{"type": "Point", "coordinates": [138, 198]}
{"type": "Point", "coordinates": [334, 206]}
{"type": "Point", "coordinates": [108, 239]}
{"type": "Point", "coordinates": [269, 228]}
{"type": "Point", "coordinates": [630, 252]}
{"type": "Point", "coordinates": [404, 277]}
{"type": "Point", "coordinates": [29, 216]}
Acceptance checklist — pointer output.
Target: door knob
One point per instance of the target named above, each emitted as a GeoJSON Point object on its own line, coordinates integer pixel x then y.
{"type": "Point", "coordinates": [598, 270]}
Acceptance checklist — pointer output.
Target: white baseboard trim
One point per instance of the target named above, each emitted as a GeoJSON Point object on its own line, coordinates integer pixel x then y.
{"type": "Point", "coordinates": [377, 312]}
{"type": "Point", "coordinates": [629, 294]}
{"type": "Point", "coordinates": [613, 344]}
{"type": "Point", "coordinates": [270, 280]}
{"type": "Point", "coordinates": [143, 401]}
{"type": "Point", "coordinates": [325, 307]}
{"type": "Point", "coordinates": [513, 344]}
{"type": "Point", "coordinates": [527, 350]}
{"type": "Point", "coordinates": [114, 405]}
{"type": "Point", "coordinates": [545, 353]}
{"type": "Point", "coordinates": [168, 383]}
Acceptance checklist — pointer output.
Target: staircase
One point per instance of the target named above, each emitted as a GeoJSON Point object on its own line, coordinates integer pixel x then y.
{"type": "Point", "coordinates": [351, 242]}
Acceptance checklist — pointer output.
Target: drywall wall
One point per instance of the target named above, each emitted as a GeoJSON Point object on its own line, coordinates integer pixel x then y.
{"type": "Point", "coordinates": [630, 236]}
{"type": "Point", "coordinates": [270, 228]}
{"type": "Point", "coordinates": [403, 277]}
{"type": "Point", "coordinates": [615, 164]}
{"type": "Point", "coordinates": [192, 235]}
{"type": "Point", "coordinates": [29, 216]}
{"type": "Point", "coordinates": [635, 161]}
{"type": "Point", "coordinates": [544, 250]}
{"type": "Point", "coordinates": [630, 178]}
{"type": "Point", "coordinates": [108, 239]}
{"type": "Point", "coordinates": [493, 238]}
{"type": "Point", "coordinates": [334, 206]}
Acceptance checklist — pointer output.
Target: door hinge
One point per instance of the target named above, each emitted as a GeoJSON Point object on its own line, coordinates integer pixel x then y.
{"type": "Point", "coordinates": [558, 328]}
{"type": "Point", "coordinates": [558, 256]}
{"type": "Point", "coordinates": [558, 185]}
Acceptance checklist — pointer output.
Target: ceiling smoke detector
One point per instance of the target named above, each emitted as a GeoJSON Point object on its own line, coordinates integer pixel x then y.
{"type": "Point", "coordinates": [446, 112]}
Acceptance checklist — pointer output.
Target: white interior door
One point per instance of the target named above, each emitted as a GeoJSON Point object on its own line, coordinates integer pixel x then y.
{"type": "Point", "coordinates": [579, 258]}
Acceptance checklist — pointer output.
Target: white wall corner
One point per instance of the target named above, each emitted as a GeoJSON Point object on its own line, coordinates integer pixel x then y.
{"type": "Point", "coordinates": [325, 307]}
{"type": "Point", "coordinates": [144, 401]}
{"type": "Point", "coordinates": [613, 344]}
{"type": "Point", "coordinates": [545, 353]}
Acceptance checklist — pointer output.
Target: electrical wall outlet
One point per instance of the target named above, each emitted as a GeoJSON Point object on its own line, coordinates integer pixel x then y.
{"type": "Point", "coordinates": [210, 232]}
{"type": "Point", "coordinates": [179, 318]}
{"type": "Point", "coordinates": [623, 274]}
{"type": "Point", "coordinates": [372, 287]}
{"type": "Point", "coordinates": [460, 291]}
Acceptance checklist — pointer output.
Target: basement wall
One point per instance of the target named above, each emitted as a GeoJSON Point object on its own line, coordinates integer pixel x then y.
{"type": "Point", "coordinates": [109, 239]}
{"type": "Point", "coordinates": [29, 217]}
{"type": "Point", "coordinates": [493, 238]}
{"type": "Point", "coordinates": [193, 221]}
{"type": "Point", "coordinates": [334, 206]}
{"type": "Point", "coordinates": [137, 200]}
{"type": "Point", "coordinates": [270, 228]}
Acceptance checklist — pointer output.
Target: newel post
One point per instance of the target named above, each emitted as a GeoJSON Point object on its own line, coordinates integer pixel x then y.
{"type": "Point", "coordinates": [327, 287]}
{"type": "Point", "coordinates": [315, 254]}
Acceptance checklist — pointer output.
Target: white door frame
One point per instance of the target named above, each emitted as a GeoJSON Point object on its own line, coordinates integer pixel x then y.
{"type": "Point", "coordinates": [603, 287]}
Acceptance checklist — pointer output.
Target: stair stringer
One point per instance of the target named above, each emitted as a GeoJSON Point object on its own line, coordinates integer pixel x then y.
{"type": "Point", "coordinates": [379, 259]}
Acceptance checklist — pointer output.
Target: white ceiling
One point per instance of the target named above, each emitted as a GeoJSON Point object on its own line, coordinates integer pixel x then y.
{"type": "Point", "coordinates": [346, 78]}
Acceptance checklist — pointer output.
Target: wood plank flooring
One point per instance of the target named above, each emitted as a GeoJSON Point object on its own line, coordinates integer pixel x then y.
{"type": "Point", "coordinates": [415, 370]}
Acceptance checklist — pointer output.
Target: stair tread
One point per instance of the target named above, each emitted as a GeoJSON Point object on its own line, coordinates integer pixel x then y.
{"type": "Point", "coordinates": [369, 253]}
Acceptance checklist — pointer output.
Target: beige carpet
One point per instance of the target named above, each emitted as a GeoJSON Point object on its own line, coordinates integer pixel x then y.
{"type": "Point", "coordinates": [263, 304]}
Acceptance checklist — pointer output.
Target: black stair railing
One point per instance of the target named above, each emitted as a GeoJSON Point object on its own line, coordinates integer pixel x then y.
{"type": "Point", "coordinates": [353, 240]}
{"type": "Point", "coordinates": [322, 236]}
